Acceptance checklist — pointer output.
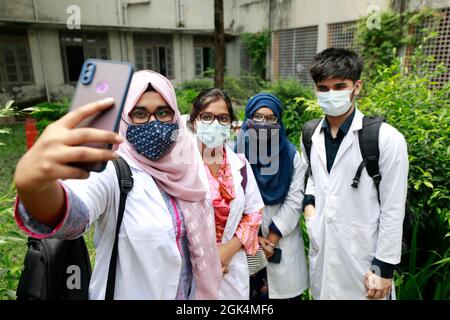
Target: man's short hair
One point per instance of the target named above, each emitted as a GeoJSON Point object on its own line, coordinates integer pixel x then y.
{"type": "Point", "coordinates": [336, 63]}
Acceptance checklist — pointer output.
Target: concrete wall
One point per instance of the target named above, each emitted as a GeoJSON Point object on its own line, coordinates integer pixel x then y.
{"type": "Point", "coordinates": [240, 15]}
{"type": "Point", "coordinates": [51, 17]}
{"type": "Point", "coordinates": [296, 14]}
{"type": "Point", "coordinates": [165, 14]}
{"type": "Point", "coordinates": [182, 18]}
{"type": "Point", "coordinates": [183, 48]}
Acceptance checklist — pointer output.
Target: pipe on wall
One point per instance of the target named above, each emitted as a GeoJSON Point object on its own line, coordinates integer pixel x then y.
{"type": "Point", "coordinates": [125, 5]}
{"type": "Point", "coordinates": [120, 21]}
{"type": "Point", "coordinates": [38, 33]}
{"type": "Point", "coordinates": [180, 13]}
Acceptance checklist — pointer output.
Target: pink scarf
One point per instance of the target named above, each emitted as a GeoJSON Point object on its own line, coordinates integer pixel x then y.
{"type": "Point", "coordinates": [177, 174]}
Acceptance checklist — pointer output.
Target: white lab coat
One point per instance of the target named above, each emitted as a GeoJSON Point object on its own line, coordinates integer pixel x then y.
{"type": "Point", "coordinates": [235, 284]}
{"type": "Point", "coordinates": [149, 262]}
{"type": "Point", "coordinates": [289, 278]}
{"type": "Point", "coordinates": [350, 227]}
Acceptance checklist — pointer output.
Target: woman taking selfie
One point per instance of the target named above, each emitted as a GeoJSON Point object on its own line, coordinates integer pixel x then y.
{"type": "Point", "coordinates": [280, 180]}
{"type": "Point", "coordinates": [159, 254]}
{"type": "Point", "coordinates": [235, 196]}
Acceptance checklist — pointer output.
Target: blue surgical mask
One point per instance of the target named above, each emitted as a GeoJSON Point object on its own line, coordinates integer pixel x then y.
{"type": "Point", "coordinates": [153, 139]}
{"type": "Point", "coordinates": [213, 135]}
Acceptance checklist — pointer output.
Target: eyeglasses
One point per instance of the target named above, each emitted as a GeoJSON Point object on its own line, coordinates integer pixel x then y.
{"type": "Point", "coordinates": [142, 116]}
{"type": "Point", "coordinates": [261, 117]}
{"type": "Point", "coordinates": [208, 118]}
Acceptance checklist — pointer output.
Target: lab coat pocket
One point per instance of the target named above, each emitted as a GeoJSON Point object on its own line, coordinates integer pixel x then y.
{"type": "Point", "coordinates": [362, 241]}
{"type": "Point", "coordinates": [312, 228]}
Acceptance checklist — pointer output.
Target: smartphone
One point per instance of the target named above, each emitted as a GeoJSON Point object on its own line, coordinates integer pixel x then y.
{"type": "Point", "coordinates": [101, 79]}
{"type": "Point", "coordinates": [276, 257]}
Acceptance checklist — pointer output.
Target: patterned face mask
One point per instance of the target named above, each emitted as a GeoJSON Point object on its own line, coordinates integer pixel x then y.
{"type": "Point", "coordinates": [153, 139]}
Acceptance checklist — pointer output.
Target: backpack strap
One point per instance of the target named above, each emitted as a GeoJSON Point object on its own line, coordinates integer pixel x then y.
{"type": "Point", "coordinates": [125, 178]}
{"type": "Point", "coordinates": [370, 152]}
{"type": "Point", "coordinates": [33, 283]}
{"type": "Point", "coordinates": [243, 171]}
{"type": "Point", "coordinates": [307, 132]}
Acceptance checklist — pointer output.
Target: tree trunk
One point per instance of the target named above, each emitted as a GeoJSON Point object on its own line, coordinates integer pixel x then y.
{"type": "Point", "coordinates": [401, 6]}
{"type": "Point", "coordinates": [219, 44]}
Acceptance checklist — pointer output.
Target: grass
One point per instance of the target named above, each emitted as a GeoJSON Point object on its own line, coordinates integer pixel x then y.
{"type": "Point", "coordinates": [12, 148]}
{"type": "Point", "coordinates": [13, 242]}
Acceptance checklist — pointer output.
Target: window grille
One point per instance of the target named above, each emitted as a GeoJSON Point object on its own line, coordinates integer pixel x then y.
{"type": "Point", "coordinates": [294, 51]}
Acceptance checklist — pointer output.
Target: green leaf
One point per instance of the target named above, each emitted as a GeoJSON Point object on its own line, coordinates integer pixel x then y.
{"type": "Point", "coordinates": [428, 184]}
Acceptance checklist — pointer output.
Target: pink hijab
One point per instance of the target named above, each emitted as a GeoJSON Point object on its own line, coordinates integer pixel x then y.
{"type": "Point", "coordinates": [177, 174]}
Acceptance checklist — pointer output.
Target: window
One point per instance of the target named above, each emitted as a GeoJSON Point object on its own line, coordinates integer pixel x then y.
{"type": "Point", "coordinates": [245, 62]}
{"type": "Point", "coordinates": [15, 59]}
{"type": "Point", "coordinates": [439, 47]}
{"type": "Point", "coordinates": [154, 52]}
{"type": "Point", "coordinates": [203, 54]}
{"type": "Point", "coordinates": [76, 47]}
{"type": "Point", "coordinates": [293, 52]}
{"type": "Point", "coordinates": [342, 35]}
{"type": "Point", "coordinates": [204, 60]}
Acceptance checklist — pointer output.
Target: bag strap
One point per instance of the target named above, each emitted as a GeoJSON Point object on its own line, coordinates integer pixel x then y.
{"type": "Point", "coordinates": [307, 132]}
{"type": "Point", "coordinates": [370, 152]}
{"type": "Point", "coordinates": [33, 278]}
{"type": "Point", "coordinates": [125, 178]}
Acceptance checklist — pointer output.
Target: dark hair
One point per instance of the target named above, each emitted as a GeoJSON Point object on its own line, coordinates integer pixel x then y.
{"type": "Point", "coordinates": [150, 88]}
{"type": "Point", "coordinates": [205, 98]}
{"type": "Point", "coordinates": [334, 62]}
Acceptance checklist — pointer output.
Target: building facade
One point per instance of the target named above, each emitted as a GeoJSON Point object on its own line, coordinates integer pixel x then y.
{"type": "Point", "coordinates": [41, 52]}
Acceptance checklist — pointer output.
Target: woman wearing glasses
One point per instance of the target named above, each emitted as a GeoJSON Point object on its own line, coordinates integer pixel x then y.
{"type": "Point", "coordinates": [279, 173]}
{"type": "Point", "coordinates": [166, 247]}
{"type": "Point", "coordinates": [237, 211]}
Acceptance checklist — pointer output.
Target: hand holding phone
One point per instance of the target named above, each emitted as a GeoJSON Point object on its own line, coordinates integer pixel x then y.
{"type": "Point", "coordinates": [62, 142]}
{"type": "Point", "coordinates": [100, 79]}
{"type": "Point", "coordinates": [276, 257]}
{"type": "Point", "coordinates": [38, 171]}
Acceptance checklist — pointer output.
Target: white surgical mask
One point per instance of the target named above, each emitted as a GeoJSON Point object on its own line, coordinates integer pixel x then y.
{"type": "Point", "coordinates": [335, 103]}
{"type": "Point", "coordinates": [213, 135]}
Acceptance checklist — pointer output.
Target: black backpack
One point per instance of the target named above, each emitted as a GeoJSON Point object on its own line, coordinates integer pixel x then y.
{"type": "Point", "coordinates": [57, 269]}
{"type": "Point", "coordinates": [368, 144]}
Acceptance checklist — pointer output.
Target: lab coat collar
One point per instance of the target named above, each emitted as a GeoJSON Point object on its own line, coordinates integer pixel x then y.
{"type": "Point", "coordinates": [151, 187]}
{"type": "Point", "coordinates": [236, 165]}
{"type": "Point", "coordinates": [318, 138]}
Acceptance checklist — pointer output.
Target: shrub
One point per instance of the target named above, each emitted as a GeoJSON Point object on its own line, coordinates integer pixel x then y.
{"type": "Point", "coordinates": [256, 45]}
{"type": "Point", "coordinates": [380, 46]}
{"type": "Point", "coordinates": [185, 99]}
{"type": "Point", "coordinates": [48, 112]}
{"type": "Point", "coordinates": [288, 90]}
{"type": "Point", "coordinates": [242, 88]}
{"type": "Point", "coordinates": [196, 84]}
{"type": "Point", "coordinates": [295, 116]}
{"type": "Point", "coordinates": [297, 100]}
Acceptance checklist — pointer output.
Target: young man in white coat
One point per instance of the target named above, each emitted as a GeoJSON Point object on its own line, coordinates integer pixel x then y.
{"type": "Point", "coordinates": [355, 232]}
